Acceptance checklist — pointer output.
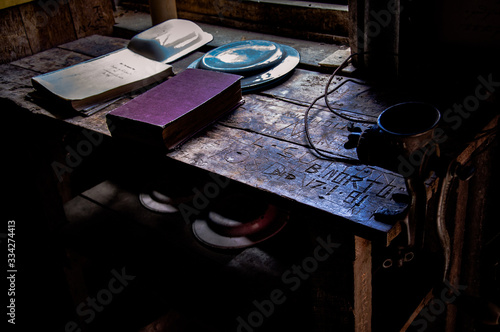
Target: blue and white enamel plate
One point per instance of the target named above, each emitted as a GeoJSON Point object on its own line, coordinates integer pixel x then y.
{"type": "Point", "coordinates": [260, 62]}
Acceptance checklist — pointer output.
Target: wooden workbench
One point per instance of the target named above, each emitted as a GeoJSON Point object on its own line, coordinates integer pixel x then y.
{"type": "Point", "coordinates": [267, 147]}
{"type": "Point", "coordinates": [262, 145]}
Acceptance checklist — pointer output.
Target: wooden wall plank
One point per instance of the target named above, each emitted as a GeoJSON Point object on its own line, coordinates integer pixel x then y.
{"type": "Point", "coordinates": [294, 18]}
{"type": "Point", "coordinates": [14, 43]}
{"type": "Point", "coordinates": [37, 26]}
{"type": "Point", "coordinates": [92, 17]}
{"type": "Point", "coordinates": [47, 25]}
{"type": "Point", "coordinates": [263, 17]}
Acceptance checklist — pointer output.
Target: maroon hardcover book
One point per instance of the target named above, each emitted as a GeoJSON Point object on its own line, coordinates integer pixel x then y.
{"type": "Point", "coordinates": [178, 108]}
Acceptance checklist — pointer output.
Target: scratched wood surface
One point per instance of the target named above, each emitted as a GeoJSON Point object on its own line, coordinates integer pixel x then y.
{"type": "Point", "coordinates": [354, 193]}
{"type": "Point", "coordinates": [262, 144]}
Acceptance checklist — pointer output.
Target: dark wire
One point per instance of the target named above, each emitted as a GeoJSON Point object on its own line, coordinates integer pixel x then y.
{"type": "Point", "coordinates": [330, 156]}
{"type": "Point", "coordinates": [345, 117]}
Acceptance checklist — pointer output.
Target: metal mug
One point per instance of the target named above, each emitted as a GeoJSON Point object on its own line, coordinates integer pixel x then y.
{"type": "Point", "coordinates": [402, 137]}
{"type": "Point", "coordinates": [403, 141]}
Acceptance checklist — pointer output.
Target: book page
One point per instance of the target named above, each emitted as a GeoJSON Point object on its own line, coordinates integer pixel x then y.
{"type": "Point", "coordinates": [97, 76]}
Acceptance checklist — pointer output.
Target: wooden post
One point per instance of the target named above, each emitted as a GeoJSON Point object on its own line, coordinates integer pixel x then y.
{"type": "Point", "coordinates": [355, 27]}
{"type": "Point", "coordinates": [457, 249]}
{"type": "Point", "coordinates": [162, 10]}
{"type": "Point", "coordinates": [362, 285]}
{"type": "Point", "coordinates": [374, 30]}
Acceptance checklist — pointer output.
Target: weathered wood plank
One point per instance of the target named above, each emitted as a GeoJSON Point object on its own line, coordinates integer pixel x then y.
{"type": "Point", "coordinates": [37, 26]}
{"type": "Point", "coordinates": [15, 84]}
{"type": "Point", "coordinates": [92, 17]}
{"type": "Point", "coordinates": [50, 60]}
{"type": "Point", "coordinates": [14, 42]}
{"type": "Point", "coordinates": [285, 121]}
{"type": "Point", "coordinates": [95, 45]}
{"type": "Point", "coordinates": [304, 86]}
{"type": "Point", "coordinates": [355, 25]}
{"type": "Point", "coordinates": [354, 193]}
{"type": "Point", "coordinates": [362, 285]}
{"type": "Point", "coordinates": [13, 77]}
{"type": "Point", "coordinates": [47, 26]}
{"type": "Point", "coordinates": [264, 17]}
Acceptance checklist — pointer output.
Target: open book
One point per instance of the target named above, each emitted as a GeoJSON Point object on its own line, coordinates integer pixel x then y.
{"type": "Point", "coordinates": [143, 63]}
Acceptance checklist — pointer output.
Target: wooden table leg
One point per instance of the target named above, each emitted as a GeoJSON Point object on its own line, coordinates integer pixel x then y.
{"type": "Point", "coordinates": [362, 285]}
